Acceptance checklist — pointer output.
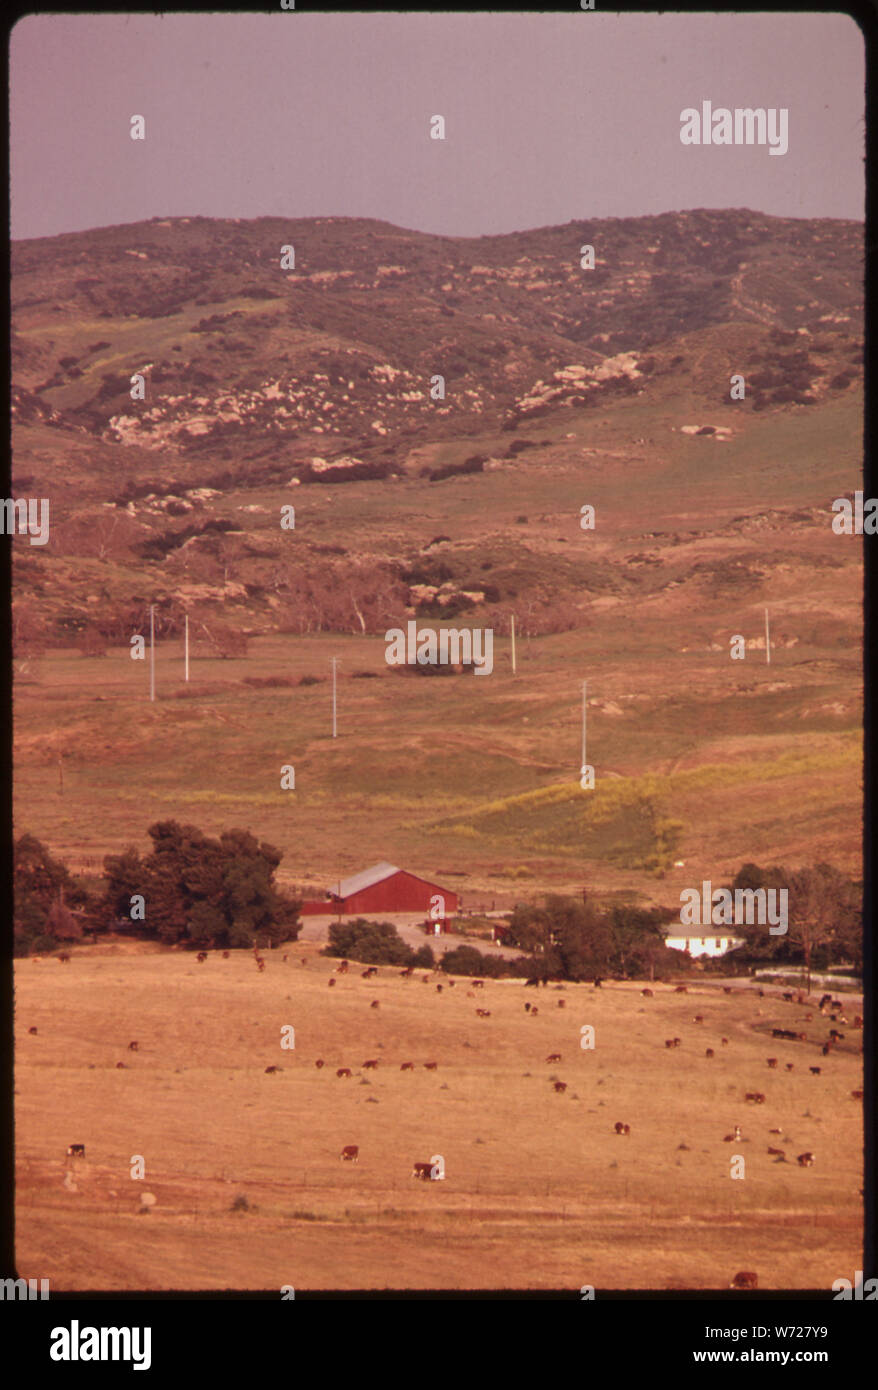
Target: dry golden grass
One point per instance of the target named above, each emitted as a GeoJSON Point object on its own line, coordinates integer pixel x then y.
{"type": "Point", "coordinates": [539, 1193]}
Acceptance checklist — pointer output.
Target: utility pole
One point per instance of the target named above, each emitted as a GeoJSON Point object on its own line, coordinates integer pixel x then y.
{"type": "Point", "coordinates": [584, 684]}
{"type": "Point", "coordinates": [334, 708]}
{"type": "Point", "coordinates": [152, 651]}
{"type": "Point", "coordinates": [512, 631]}
{"type": "Point", "coordinates": [186, 647]}
{"type": "Point", "coordinates": [767, 641]}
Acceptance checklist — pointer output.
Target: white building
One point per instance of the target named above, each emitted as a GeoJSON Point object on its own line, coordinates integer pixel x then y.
{"type": "Point", "coordinates": [703, 941]}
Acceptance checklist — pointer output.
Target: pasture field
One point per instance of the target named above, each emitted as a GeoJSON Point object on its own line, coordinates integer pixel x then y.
{"type": "Point", "coordinates": [539, 1193]}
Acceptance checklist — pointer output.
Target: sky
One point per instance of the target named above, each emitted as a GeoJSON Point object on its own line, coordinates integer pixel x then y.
{"type": "Point", "coordinates": [549, 118]}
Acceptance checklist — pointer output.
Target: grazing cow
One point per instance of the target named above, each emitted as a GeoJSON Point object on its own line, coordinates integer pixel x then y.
{"type": "Point", "coordinates": [598, 983]}
{"type": "Point", "coordinates": [775, 1131]}
{"type": "Point", "coordinates": [422, 1170]}
{"type": "Point", "coordinates": [669, 1042]}
{"type": "Point", "coordinates": [621, 1128]}
{"type": "Point", "coordinates": [286, 958]}
{"type": "Point", "coordinates": [647, 993]}
{"type": "Point", "coordinates": [815, 1071]}
{"type": "Point", "coordinates": [120, 1066]}
{"type": "Point", "coordinates": [836, 1004]}
{"type": "Point", "coordinates": [269, 1070]}
{"type": "Point", "coordinates": [451, 984]}
{"type": "Point", "coordinates": [260, 965]}
{"type": "Point", "coordinates": [31, 1030]}
{"type": "Point", "coordinates": [745, 1279]}
{"type": "Point", "coordinates": [824, 1000]}
{"type": "Point", "coordinates": [724, 1041]}
{"type": "Point", "coordinates": [405, 974]}
{"type": "Point", "coordinates": [76, 1151]}
{"type": "Point", "coordinates": [778, 1153]}
{"type": "Point", "coordinates": [342, 967]}
{"type": "Point", "coordinates": [226, 955]}
{"type": "Point", "coordinates": [682, 989]}
{"type": "Point", "coordinates": [331, 982]}
{"type": "Point", "coordinates": [343, 1071]}
{"type": "Point", "coordinates": [835, 1035]}
{"type": "Point", "coordinates": [201, 957]}
{"type": "Point", "coordinates": [677, 1042]}
{"type": "Point", "coordinates": [526, 1008]}
{"type": "Point", "coordinates": [762, 994]}
{"type": "Point", "coordinates": [375, 1004]}
{"type": "Point", "coordinates": [430, 1066]}
{"type": "Point", "coordinates": [772, 1061]}
{"type": "Point", "coordinates": [805, 1160]}
{"type": "Point", "coordinates": [483, 1013]}
{"type": "Point", "coordinates": [560, 1086]}
{"type": "Point", "coordinates": [789, 1066]}
{"type": "Point", "coordinates": [789, 998]}
{"type": "Point", "coordinates": [826, 1049]}
{"type": "Point", "coordinates": [562, 1003]}
{"type": "Point", "coordinates": [858, 1020]}
{"type": "Point", "coordinates": [531, 984]}
{"type": "Point", "coordinates": [727, 989]}
{"type": "Point", "coordinates": [699, 1018]}
{"type": "Point", "coordinates": [554, 1057]}
{"type": "Point", "coordinates": [478, 984]}
{"type": "Point", "coordinates": [709, 1052]}
{"type": "Point", "coordinates": [534, 1011]}
{"type": "Point", "coordinates": [132, 1046]}
{"type": "Point", "coordinates": [350, 1153]}
{"type": "Point", "coordinates": [438, 989]}
{"type": "Point", "coordinates": [64, 958]}
{"type": "Point", "coordinates": [425, 979]}
{"type": "Point", "coordinates": [371, 1065]}
{"type": "Point", "coordinates": [856, 1095]}
{"type": "Point", "coordinates": [319, 1063]}
{"type": "Point", "coordinates": [407, 1066]}
{"type": "Point", "coordinates": [755, 1096]}
{"type": "Point", "coordinates": [733, 1138]}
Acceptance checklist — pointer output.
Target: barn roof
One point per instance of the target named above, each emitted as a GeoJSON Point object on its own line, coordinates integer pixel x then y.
{"type": "Point", "coordinates": [348, 886]}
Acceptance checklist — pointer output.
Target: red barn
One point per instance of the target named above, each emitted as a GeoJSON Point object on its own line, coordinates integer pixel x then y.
{"type": "Point", "coordinates": [386, 888]}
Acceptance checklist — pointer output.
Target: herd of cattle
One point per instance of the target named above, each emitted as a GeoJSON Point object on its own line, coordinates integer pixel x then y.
{"type": "Point", "coordinates": [434, 1170]}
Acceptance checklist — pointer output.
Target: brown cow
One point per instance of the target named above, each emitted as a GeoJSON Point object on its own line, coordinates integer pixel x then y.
{"type": "Point", "coordinates": [132, 1046]}
{"type": "Point", "coordinates": [526, 1008]}
{"type": "Point", "coordinates": [856, 1095]}
{"type": "Point", "coordinates": [260, 965]}
{"type": "Point", "coordinates": [724, 1041]}
{"type": "Point", "coordinates": [727, 989]}
{"type": "Point", "coordinates": [554, 1057]}
{"type": "Point", "coordinates": [669, 1042]}
{"type": "Point", "coordinates": [815, 1071]}
{"type": "Point", "coordinates": [341, 968]}
{"type": "Point", "coordinates": [269, 1070]}
{"type": "Point", "coordinates": [562, 1003]}
{"type": "Point", "coordinates": [407, 1066]}
{"type": "Point", "coordinates": [226, 955]}
{"type": "Point", "coordinates": [647, 993]}
{"type": "Point", "coordinates": [422, 1170]}
{"type": "Point", "coordinates": [622, 1128]}
{"type": "Point", "coordinates": [772, 1061]}
{"type": "Point", "coordinates": [733, 1138]}
{"type": "Point", "coordinates": [331, 982]}
{"type": "Point", "coordinates": [343, 1071]}
{"type": "Point", "coordinates": [438, 989]}
{"type": "Point", "coordinates": [699, 1018]}
{"type": "Point", "coordinates": [709, 1052]}
{"type": "Point", "coordinates": [858, 1020]}
{"type": "Point", "coordinates": [31, 1030]}
{"type": "Point", "coordinates": [755, 1096]}
{"type": "Point", "coordinates": [120, 1066]}
{"type": "Point", "coordinates": [682, 989]}
{"type": "Point", "coordinates": [406, 974]}
{"type": "Point", "coordinates": [319, 1063]}
{"type": "Point", "coordinates": [779, 1153]}
{"type": "Point", "coordinates": [677, 1042]}
{"type": "Point", "coordinates": [835, 1035]}
{"type": "Point", "coordinates": [805, 1160]}
{"type": "Point", "coordinates": [560, 1086]}
{"type": "Point", "coordinates": [745, 1279]}
{"type": "Point", "coordinates": [350, 1153]}
{"type": "Point", "coordinates": [201, 957]}
{"type": "Point", "coordinates": [483, 1013]}
{"type": "Point", "coordinates": [478, 984]}
{"type": "Point", "coordinates": [534, 1011]}
{"type": "Point", "coordinates": [375, 1004]}
{"type": "Point", "coordinates": [789, 1065]}
{"type": "Point", "coordinates": [371, 1065]}
{"type": "Point", "coordinates": [826, 1049]}
{"type": "Point", "coordinates": [430, 1066]}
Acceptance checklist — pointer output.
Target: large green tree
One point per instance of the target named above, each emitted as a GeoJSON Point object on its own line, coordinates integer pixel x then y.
{"type": "Point", "coordinates": [201, 890]}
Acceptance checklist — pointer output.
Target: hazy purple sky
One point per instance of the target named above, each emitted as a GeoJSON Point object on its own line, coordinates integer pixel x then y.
{"type": "Point", "coordinates": [549, 118]}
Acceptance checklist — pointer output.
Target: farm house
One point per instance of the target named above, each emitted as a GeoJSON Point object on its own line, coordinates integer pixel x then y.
{"type": "Point", "coordinates": [385, 888]}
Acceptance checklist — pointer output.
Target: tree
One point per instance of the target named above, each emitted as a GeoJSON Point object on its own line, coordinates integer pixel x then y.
{"type": "Point", "coordinates": [40, 882]}
{"type": "Point", "coordinates": [204, 891]}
